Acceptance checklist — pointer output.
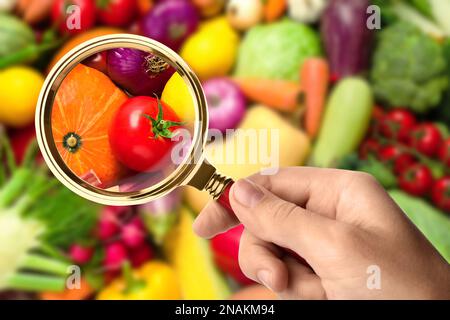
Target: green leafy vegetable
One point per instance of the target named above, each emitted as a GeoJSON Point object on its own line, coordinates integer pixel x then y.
{"type": "Point", "coordinates": [276, 50]}
{"type": "Point", "coordinates": [32, 227]}
{"type": "Point", "coordinates": [409, 68]}
{"type": "Point", "coordinates": [423, 6]}
{"type": "Point", "coordinates": [376, 168]}
{"type": "Point", "coordinates": [434, 224]}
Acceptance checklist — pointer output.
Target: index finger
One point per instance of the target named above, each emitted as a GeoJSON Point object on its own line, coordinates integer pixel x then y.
{"type": "Point", "coordinates": [305, 186]}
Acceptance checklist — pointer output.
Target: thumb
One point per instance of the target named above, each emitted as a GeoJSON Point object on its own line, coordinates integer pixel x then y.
{"type": "Point", "coordinates": [277, 221]}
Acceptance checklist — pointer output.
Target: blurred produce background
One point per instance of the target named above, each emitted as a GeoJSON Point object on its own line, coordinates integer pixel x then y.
{"type": "Point", "coordinates": [346, 85]}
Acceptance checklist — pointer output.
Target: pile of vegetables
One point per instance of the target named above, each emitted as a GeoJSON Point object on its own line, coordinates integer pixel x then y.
{"type": "Point", "coordinates": [34, 231]}
{"type": "Point", "coordinates": [402, 151]}
{"type": "Point", "coordinates": [338, 84]}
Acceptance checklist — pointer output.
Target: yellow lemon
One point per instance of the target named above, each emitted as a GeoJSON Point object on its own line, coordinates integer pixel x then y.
{"type": "Point", "coordinates": [177, 95]}
{"type": "Point", "coordinates": [212, 50]}
{"type": "Point", "coordinates": [19, 93]}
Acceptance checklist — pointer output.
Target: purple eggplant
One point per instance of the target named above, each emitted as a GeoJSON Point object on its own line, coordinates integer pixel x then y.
{"type": "Point", "coordinates": [346, 37]}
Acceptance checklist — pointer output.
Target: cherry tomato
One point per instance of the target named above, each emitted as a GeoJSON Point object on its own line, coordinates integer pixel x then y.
{"type": "Point", "coordinates": [97, 61]}
{"type": "Point", "coordinates": [440, 194]}
{"type": "Point", "coordinates": [369, 147]}
{"type": "Point", "coordinates": [140, 136]}
{"type": "Point", "coordinates": [73, 16]}
{"type": "Point", "coordinates": [116, 13]}
{"type": "Point", "coordinates": [444, 152]}
{"type": "Point", "coordinates": [397, 124]}
{"type": "Point", "coordinates": [426, 138]}
{"type": "Point", "coordinates": [389, 153]}
{"type": "Point", "coordinates": [416, 179]}
{"type": "Point", "coordinates": [402, 162]}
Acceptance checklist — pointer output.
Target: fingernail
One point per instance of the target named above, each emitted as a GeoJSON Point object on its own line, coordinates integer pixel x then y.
{"type": "Point", "coordinates": [247, 193]}
{"type": "Point", "coordinates": [264, 278]}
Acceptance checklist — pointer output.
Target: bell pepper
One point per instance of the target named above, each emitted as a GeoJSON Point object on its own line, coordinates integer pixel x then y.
{"type": "Point", "coordinates": [155, 280]}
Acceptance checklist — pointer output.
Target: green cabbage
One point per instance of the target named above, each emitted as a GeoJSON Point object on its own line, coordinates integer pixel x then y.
{"type": "Point", "coordinates": [409, 68]}
{"type": "Point", "coordinates": [434, 224]}
{"type": "Point", "coordinates": [14, 34]}
{"type": "Point", "coordinates": [276, 50]}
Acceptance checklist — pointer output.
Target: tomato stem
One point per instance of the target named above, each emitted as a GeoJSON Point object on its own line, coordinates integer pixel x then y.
{"type": "Point", "coordinates": [160, 127]}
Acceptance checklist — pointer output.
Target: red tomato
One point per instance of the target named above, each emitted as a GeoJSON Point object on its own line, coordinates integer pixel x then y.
{"type": "Point", "coordinates": [369, 147]}
{"type": "Point", "coordinates": [397, 124]}
{"type": "Point", "coordinates": [444, 152]}
{"type": "Point", "coordinates": [135, 141]}
{"type": "Point", "coordinates": [416, 179]}
{"type": "Point", "coordinates": [402, 162]}
{"type": "Point", "coordinates": [73, 16]}
{"type": "Point", "coordinates": [396, 156]}
{"type": "Point", "coordinates": [440, 194]}
{"type": "Point", "coordinates": [390, 153]}
{"type": "Point", "coordinates": [426, 138]}
{"type": "Point", "coordinates": [97, 61]}
{"type": "Point", "coordinates": [116, 13]}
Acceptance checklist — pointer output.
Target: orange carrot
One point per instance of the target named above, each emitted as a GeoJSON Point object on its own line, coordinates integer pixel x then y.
{"type": "Point", "coordinates": [82, 293]}
{"type": "Point", "coordinates": [274, 9]}
{"type": "Point", "coordinates": [314, 77]}
{"type": "Point", "coordinates": [279, 94]}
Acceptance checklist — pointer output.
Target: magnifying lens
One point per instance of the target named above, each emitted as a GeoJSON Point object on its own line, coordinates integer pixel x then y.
{"type": "Point", "coordinates": [111, 129]}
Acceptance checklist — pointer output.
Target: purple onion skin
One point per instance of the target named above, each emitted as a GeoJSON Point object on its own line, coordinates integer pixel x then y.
{"type": "Point", "coordinates": [170, 22]}
{"type": "Point", "coordinates": [131, 69]}
{"type": "Point", "coordinates": [226, 103]}
{"type": "Point", "coordinates": [347, 40]}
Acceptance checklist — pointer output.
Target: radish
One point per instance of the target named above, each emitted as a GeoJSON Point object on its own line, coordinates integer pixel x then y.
{"type": "Point", "coordinates": [109, 224]}
{"type": "Point", "coordinates": [107, 228]}
{"type": "Point", "coordinates": [133, 233]}
{"type": "Point", "coordinates": [115, 255]}
{"type": "Point", "coordinates": [141, 254]}
{"type": "Point", "coordinates": [80, 254]}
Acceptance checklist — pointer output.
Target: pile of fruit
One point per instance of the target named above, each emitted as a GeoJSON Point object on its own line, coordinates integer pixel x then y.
{"type": "Point", "coordinates": [344, 84]}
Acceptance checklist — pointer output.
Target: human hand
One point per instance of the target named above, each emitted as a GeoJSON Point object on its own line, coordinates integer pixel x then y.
{"type": "Point", "coordinates": [342, 223]}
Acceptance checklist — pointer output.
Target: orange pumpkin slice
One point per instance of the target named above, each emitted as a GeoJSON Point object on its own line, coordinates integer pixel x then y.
{"type": "Point", "coordinates": [83, 109]}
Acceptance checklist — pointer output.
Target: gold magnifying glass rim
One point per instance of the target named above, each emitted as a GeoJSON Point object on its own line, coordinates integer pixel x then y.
{"type": "Point", "coordinates": [184, 171]}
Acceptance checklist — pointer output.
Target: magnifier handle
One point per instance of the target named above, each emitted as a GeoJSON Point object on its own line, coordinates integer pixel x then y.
{"type": "Point", "coordinates": [224, 201]}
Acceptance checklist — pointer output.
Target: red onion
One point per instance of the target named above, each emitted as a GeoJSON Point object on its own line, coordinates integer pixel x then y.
{"type": "Point", "coordinates": [170, 22]}
{"type": "Point", "coordinates": [226, 103]}
{"type": "Point", "coordinates": [140, 73]}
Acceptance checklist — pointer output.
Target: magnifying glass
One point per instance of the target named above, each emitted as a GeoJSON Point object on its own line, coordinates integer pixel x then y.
{"type": "Point", "coordinates": [110, 132]}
